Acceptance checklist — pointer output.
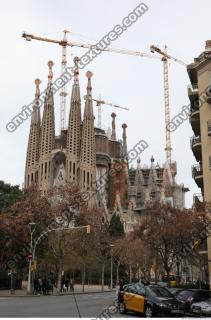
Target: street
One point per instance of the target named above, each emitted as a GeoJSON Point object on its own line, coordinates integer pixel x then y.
{"type": "Point", "coordinates": [89, 305]}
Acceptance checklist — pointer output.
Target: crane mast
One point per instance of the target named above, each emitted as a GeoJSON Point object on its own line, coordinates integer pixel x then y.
{"type": "Point", "coordinates": [168, 147]}
{"type": "Point", "coordinates": [165, 58]}
{"type": "Point", "coordinates": [63, 92]}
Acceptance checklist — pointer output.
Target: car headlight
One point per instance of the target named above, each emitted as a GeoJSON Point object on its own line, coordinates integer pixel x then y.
{"type": "Point", "coordinates": [163, 305]}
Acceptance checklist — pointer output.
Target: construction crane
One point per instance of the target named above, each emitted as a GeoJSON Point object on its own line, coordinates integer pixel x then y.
{"type": "Point", "coordinates": [63, 90]}
{"type": "Point", "coordinates": [99, 103]}
{"type": "Point", "coordinates": [64, 43]}
{"type": "Point", "coordinates": [165, 58]}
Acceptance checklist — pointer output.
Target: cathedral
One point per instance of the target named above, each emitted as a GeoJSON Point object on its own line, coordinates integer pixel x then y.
{"type": "Point", "coordinates": [86, 155]}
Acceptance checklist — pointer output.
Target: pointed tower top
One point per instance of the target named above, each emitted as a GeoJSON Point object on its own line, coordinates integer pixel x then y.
{"type": "Point", "coordinates": [76, 70]}
{"type": "Point", "coordinates": [89, 74]}
{"type": "Point", "coordinates": [88, 110]}
{"type": "Point", "coordinates": [37, 83]}
{"type": "Point", "coordinates": [152, 159]}
{"type": "Point", "coordinates": [35, 117]}
{"type": "Point", "coordinates": [124, 138]}
{"type": "Point", "coordinates": [113, 132]}
{"type": "Point", "coordinates": [50, 74]}
{"type": "Point", "coordinates": [138, 163]}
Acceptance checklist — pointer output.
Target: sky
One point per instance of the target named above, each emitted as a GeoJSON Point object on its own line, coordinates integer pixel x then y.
{"type": "Point", "coordinates": [133, 82]}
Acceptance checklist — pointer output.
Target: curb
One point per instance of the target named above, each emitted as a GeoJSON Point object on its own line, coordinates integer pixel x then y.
{"type": "Point", "coordinates": [52, 295]}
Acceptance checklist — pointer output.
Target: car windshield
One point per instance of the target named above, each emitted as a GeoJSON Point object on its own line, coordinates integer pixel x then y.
{"type": "Point", "coordinates": [159, 292]}
{"type": "Point", "coordinates": [185, 294]}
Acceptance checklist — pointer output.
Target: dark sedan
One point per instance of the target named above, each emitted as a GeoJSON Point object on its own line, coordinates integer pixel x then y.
{"type": "Point", "coordinates": [189, 296]}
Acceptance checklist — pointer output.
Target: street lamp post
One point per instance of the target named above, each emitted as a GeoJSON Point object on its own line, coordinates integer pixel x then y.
{"type": "Point", "coordinates": [111, 284]}
{"type": "Point", "coordinates": [32, 226]}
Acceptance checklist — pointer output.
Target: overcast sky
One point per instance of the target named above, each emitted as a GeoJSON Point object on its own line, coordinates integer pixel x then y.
{"type": "Point", "coordinates": [132, 82]}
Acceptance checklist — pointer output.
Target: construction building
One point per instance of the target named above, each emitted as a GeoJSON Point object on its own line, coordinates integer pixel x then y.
{"type": "Point", "coordinates": [200, 119]}
{"type": "Point", "coordinates": [87, 155]}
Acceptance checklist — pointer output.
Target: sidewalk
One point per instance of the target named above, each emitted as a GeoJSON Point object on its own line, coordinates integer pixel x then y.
{"type": "Point", "coordinates": [77, 290]}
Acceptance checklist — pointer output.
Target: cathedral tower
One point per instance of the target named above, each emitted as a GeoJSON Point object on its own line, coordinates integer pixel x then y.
{"type": "Point", "coordinates": [32, 157]}
{"type": "Point", "coordinates": [47, 136]}
{"type": "Point", "coordinates": [74, 130]}
{"type": "Point", "coordinates": [88, 153]}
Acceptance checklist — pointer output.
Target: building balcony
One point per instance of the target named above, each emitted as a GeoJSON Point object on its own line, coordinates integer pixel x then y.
{"type": "Point", "coordinates": [195, 143]}
{"type": "Point", "coordinates": [197, 174]}
{"type": "Point", "coordinates": [193, 93]}
{"type": "Point", "coordinates": [198, 203]}
{"type": "Point", "coordinates": [209, 128]}
{"type": "Point", "coordinates": [209, 98]}
{"type": "Point", "coordinates": [195, 120]}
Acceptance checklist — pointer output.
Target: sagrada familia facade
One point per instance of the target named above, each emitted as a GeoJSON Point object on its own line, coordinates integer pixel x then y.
{"type": "Point", "coordinates": [85, 154]}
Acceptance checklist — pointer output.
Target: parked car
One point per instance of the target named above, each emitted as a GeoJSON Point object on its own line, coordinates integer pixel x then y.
{"type": "Point", "coordinates": [150, 300]}
{"type": "Point", "coordinates": [162, 284]}
{"type": "Point", "coordinates": [188, 297]}
{"type": "Point", "coordinates": [201, 308]}
{"type": "Point", "coordinates": [175, 291]}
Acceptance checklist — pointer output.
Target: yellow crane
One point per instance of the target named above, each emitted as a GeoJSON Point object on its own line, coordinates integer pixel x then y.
{"type": "Point", "coordinates": [154, 49]}
{"type": "Point", "coordinates": [165, 58]}
{"type": "Point", "coordinates": [99, 103]}
{"type": "Point", "coordinates": [64, 44]}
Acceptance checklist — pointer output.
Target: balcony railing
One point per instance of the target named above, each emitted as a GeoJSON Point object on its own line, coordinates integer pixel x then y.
{"type": "Point", "coordinates": [193, 109]}
{"type": "Point", "coordinates": [195, 144]}
{"type": "Point", "coordinates": [209, 127]}
{"type": "Point", "coordinates": [197, 171]}
{"type": "Point", "coordinates": [208, 97]}
{"type": "Point", "coordinates": [195, 140]}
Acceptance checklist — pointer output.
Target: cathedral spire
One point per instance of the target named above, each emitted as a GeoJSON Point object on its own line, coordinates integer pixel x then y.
{"type": "Point", "coordinates": [139, 179]}
{"type": "Point", "coordinates": [124, 139]}
{"type": "Point", "coordinates": [113, 132]}
{"type": "Point", "coordinates": [50, 73]}
{"type": "Point", "coordinates": [32, 158]}
{"type": "Point", "coordinates": [88, 154]}
{"type": "Point", "coordinates": [88, 111]}
{"type": "Point", "coordinates": [35, 117]}
{"type": "Point", "coordinates": [74, 129]}
{"type": "Point", "coordinates": [47, 134]}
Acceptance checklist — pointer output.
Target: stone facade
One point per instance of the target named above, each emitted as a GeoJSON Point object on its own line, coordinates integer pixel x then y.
{"type": "Point", "coordinates": [94, 159]}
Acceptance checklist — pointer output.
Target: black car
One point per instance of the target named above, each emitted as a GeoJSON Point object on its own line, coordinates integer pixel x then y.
{"type": "Point", "coordinates": [188, 296]}
{"type": "Point", "coordinates": [175, 291]}
{"type": "Point", "coordinates": [151, 300]}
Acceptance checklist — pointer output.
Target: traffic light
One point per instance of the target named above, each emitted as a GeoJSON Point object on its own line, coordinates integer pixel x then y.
{"type": "Point", "coordinates": [88, 228]}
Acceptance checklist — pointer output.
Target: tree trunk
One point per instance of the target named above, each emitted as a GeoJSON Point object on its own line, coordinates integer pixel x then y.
{"type": "Point", "coordinates": [83, 276]}
{"type": "Point", "coordinates": [130, 272]}
{"type": "Point", "coordinates": [59, 282]}
{"type": "Point", "coordinates": [178, 271]}
{"type": "Point", "coordinates": [102, 276]}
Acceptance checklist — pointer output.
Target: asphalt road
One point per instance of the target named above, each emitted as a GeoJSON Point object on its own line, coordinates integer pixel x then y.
{"type": "Point", "coordinates": [89, 305]}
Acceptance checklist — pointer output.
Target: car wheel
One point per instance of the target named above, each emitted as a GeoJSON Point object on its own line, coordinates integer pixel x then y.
{"type": "Point", "coordinates": [148, 312]}
{"type": "Point", "coordinates": [122, 308]}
